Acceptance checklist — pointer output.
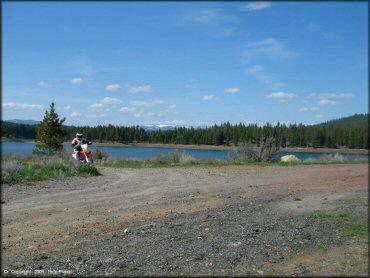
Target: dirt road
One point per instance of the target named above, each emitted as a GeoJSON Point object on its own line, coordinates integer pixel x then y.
{"type": "Point", "coordinates": [234, 220]}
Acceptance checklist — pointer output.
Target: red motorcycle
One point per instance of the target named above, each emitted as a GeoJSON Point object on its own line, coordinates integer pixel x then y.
{"type": "Point", "coordinates": [84, 155]}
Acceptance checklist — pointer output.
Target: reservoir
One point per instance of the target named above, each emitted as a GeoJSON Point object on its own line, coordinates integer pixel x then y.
{"type": "Point", "coordinates": [137, 152]}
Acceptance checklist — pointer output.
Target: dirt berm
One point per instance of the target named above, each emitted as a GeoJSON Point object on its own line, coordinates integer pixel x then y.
{"type": "Point", "coordinates": [233, 220]}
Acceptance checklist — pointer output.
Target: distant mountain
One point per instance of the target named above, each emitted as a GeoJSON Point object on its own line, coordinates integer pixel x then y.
{"type": "Point", "coordinates": [158, 127]}
{"type": "Point", "coordinates": [357, 120]}
{"type": "Point", "coordinates": [26, 122]}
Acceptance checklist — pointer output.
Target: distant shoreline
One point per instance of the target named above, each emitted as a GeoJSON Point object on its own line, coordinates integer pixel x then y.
{"type": "Point", "coordinates": [228, 148]}
{"type": "Point", "coordinates": [209, 147]}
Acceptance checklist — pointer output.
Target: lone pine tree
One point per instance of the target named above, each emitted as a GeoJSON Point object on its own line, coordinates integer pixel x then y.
{"type": "Point", "coordinates": [49, 136]}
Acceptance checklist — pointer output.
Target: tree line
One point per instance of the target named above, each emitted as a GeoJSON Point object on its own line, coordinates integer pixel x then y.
{"type": "Point", "coordinates": [340, 133]}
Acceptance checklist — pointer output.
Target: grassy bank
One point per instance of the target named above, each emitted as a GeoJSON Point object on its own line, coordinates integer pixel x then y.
{"type": "Point", "coordinates": [34, 168]}
{"type": "Point", "coordinates": [17, 169]}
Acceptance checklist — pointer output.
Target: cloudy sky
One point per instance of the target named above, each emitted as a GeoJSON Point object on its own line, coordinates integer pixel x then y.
{"type": "Point", "coordinates": [185, 63]}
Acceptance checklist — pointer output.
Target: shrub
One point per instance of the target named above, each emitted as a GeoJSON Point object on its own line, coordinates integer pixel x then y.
{"type": "Point", "coordinates": [100, 155]}
{"type": "Point", "coordinates": [246, 152]}
{"type": "Point", "coordinates": [87, 169]}
{"type": "Point", "coordinates": [12, 171]}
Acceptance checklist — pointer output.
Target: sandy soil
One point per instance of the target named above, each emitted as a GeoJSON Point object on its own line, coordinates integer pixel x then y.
{"type": "Point", "coordinates": [47, 224]}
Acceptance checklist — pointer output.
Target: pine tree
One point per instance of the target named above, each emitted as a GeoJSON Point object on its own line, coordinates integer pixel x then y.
{"type": "Point", "coordinates": [49, 137]}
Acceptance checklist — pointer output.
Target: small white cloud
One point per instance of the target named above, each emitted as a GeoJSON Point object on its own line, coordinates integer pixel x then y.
{"type": "Point", "coordinates": [208, 98]}
{"type": "Point", "coordinates": [22, 106]}
{"type": "Point", "coordinates": [258, 72]}
{"type": "Point", "coordinates": [137, 115]}
{"type": "Point", "coordinates": [110, 101]}
{"type": "Point", "coordinates": [319, 116]}
{"type": "Point", "coordinates": [145, 103]}
{"type": "Point", "coordinates": [128, 110]}
{"type": "Point", "coordinates": [331, 96]}
{"type": "Point", "coordinates": [41, 84]}
{"type": "Point", "coordinates": [327, 102]}
{"type": "Point", "coordinates": [255, 6]}
{"type": "Point", "coordinates": [75, 114]}
{"type": "Point", "coordinates": [335, 96]}
{"type": "Point", "coordinates": [96, 106]}
{"type": "Point", "coordinates": [311, 95]}
{"type": "Point", "coordinates": [158, 114]}
{"type": "Point", "coordinates": [282, 96]}
{"type": "Point", "coordinates": [267, 48]}
{"type": "Point", "coordinates": [77, 81]}
{"type": "Point", "coordinates": [172, 106]}
{"type": "Point", "coordinates": [307, 109]}
{"type": "Point", "coordinates": [232, 90]}
{"type": "Point", "coordinates": [113, 88]}
{"type": "Point", "coordinates": [139, 89]}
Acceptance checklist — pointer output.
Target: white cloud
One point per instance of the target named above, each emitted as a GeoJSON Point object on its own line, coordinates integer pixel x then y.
{"type": "Point", "coordinates": [215, 17]}
{"type": "Point", "coordinates": [110, 101]}
{"type": "Point", "coordinates": [172, 106]}
{"type": "Point", "coordinates": [267, 48]}
{"type": "Point", "coordinates": [22, 106]}
{"type": "Point", "coordinates": [137, 115]}
{"type": "Point", "coordinates": [319, 116]}
{"type": "Point", "coordinates": [113, 88]}
{"type": "Point", "coordinates": [232, 90]}
{"type": "Point", "coordinates": [282, 96]}
{"type": "Point", "coordinates": [311, 95]}
{"type": "Point", "coordinates": [139, 89]}
{"type": "Point", "coordinates": [207, 17]}
{"type": "Point", "coordinates": [331, 96]}
{"type": "Point", "coordinates": [334, 96]}
{"type": "Point", "coordinates": [209, 97]}
{"type": "Point", "coordinates": [128, 110]}
{"type": "Point", "coordinates": [255, 6]}
{"type": "Point", "coordinates": [146, 103]}
{"type": "Point", "coordinates": [77, 81]}
{"type": "Point", "coordinates": [258, 72]}
{"type": "Point", "coordinates": [327, 102]}
{"type": "Point", "coordinates": [75, 114]}
{"type": "Point", "coordinates": [41, 84]}
{"type": "Point", "coordinates": [307, 109]}
{"type": "Point", "coordinates": [106, 103]}
{"type": "Point", "coordinates": [96, 105]}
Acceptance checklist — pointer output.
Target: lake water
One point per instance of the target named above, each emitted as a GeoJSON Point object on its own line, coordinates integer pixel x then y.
{"type": "Point", "coordinates": [25, 148]}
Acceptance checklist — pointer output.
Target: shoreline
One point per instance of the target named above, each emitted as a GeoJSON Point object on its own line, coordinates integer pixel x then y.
{"type": "Point", "coordinates": [228, 148]}
{"type": "Point", "coordinates": [213, 148]}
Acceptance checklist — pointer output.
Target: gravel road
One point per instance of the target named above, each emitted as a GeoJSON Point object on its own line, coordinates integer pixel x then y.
{"type": "Point", "coordinates": [231, 220]}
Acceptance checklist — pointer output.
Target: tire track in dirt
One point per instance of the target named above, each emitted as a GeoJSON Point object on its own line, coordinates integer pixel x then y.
{"type": "Point", "coordinates": [55, 214]}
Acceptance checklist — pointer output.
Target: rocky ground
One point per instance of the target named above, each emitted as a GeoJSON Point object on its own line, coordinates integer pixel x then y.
{"type": "Point", "coordinates": [232, 220]}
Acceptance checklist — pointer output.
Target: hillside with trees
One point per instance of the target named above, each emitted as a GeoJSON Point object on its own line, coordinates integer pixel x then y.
{"type": "Point", "coordinates": [351, 132]}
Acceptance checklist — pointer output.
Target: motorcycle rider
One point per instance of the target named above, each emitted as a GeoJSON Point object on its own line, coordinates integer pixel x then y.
{"type": "Point", "coordinates": [77, 142]}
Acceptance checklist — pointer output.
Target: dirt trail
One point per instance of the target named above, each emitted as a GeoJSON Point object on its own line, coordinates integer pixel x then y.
{"type": "Point", "coordinates": [51, 216]}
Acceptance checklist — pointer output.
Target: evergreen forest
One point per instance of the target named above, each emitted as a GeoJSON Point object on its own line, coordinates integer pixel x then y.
{"type": "Point", "coordinates": [351, 132]}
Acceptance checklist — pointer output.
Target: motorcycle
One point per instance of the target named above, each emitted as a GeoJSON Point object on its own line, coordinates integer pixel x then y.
{"type": "Point", "coordinates": [84, 155]}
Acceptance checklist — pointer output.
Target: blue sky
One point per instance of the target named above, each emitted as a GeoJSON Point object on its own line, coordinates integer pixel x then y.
{"type": "Point", "coordinates": [185, 63]}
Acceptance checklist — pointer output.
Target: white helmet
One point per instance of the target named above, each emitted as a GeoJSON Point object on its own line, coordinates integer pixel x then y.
{"type": "Point", "coordinates": [79, 135]}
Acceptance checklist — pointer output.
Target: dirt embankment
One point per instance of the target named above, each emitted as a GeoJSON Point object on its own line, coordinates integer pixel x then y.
{"type": "Point", "coordinates": [243, 220]}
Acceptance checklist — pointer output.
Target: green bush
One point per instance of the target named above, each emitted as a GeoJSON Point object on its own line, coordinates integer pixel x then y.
{"type": "Point", "coordinates": [41, 168]}
{"type": "Point", "coordinates": [87, 169]}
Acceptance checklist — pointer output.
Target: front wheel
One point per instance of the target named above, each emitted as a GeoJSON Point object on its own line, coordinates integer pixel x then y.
{"type": "Point", "coordinates": [89, 160]}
